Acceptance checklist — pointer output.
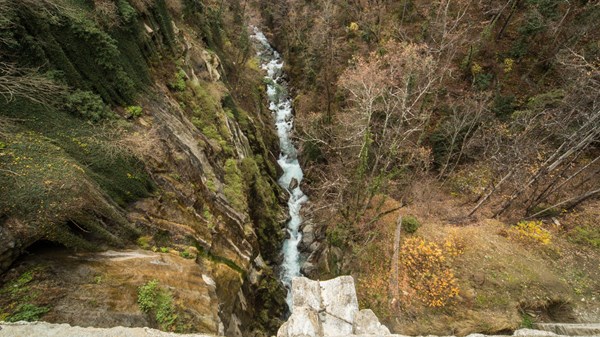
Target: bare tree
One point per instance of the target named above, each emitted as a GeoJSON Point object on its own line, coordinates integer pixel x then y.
{"type": "Point", "coordinates": [28, 84]}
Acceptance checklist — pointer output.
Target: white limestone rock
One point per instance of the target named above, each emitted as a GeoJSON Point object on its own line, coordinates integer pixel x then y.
{"type": "Point", "coordinates": [306, 293]}
{"type": "Point", "coordinates": [338, 297]}
{"type": "Point", "coordinates": [328, 309]}
{"type": "Point", "coordinates": [304, 322]}
{"type": "Point", "coordinates": [533, 333]}
{"type": "Point", "coordinates": [366, 323]}
{"type": "Point", "coordinates": [333, 326]}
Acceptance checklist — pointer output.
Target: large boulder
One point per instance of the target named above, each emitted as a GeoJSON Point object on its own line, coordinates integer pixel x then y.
{"type": "Point", "coordinates": [328, 308]}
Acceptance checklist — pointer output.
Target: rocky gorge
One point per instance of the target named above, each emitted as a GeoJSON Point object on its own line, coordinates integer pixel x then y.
{"type": "Point", "coordinates": [155, 154]}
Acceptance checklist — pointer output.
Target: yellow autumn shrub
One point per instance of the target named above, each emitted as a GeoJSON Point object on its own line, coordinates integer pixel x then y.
{"type": "Point", "coordinates": [530, 231]}
{"type": "Point", "coordinates": [428, 271]}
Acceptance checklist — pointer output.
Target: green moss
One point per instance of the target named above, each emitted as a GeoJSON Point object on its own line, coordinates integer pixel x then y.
{"type": "Point", "coordinates": [263, 208]}
{"type": "Point", "coordinates": [235, 189]}
{"type": "Point", "coordinates": [207, 254]}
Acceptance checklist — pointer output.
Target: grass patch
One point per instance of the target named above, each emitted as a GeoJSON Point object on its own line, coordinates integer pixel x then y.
{"type": "Point", "coordinates": [585, 234]}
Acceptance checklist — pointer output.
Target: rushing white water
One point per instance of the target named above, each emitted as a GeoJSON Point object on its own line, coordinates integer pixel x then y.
{"type": "Point", "coordinates": [280, 105]}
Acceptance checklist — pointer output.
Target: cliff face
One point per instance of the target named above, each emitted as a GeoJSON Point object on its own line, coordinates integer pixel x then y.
{"type": "Point", "coordinates": [138, 123]}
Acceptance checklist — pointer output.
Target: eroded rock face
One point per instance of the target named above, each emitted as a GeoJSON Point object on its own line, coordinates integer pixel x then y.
{"type": "Point", "coordinates": [328, 308]}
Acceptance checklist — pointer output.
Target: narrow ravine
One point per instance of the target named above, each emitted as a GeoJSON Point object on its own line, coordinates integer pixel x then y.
{"type": "Point", "coordinates": [280, 105]}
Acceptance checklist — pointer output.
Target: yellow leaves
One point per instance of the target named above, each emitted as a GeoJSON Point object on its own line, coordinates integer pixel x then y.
{"type": "Point", "coordinates": [353, 27]}
{"type": "Point", "coordinates": [530, 231]}
{"type": "Point", "coordinates": [508, 65]}
{"type": "Point", "coordinates": [426, 266]}
{"type": "Point", "coordinates": [476, 68]}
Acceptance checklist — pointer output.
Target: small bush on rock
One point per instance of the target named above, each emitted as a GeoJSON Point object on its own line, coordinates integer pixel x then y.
{"type": "Point", "coordinates": [158, 302]}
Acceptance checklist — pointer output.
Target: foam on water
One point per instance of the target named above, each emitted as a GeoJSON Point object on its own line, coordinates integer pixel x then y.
{"type": "Point", "coordinates": [280, 105]}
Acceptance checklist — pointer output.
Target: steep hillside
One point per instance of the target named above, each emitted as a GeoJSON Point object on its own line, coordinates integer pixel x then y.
{"type": "Point", "coordinates": [451, 155]}
{"type": "Point", "coordinates": [136, 123]}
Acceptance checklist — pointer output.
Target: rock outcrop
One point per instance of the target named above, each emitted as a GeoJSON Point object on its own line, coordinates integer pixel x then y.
{"type": "Point", "coordinates": [328, 308]}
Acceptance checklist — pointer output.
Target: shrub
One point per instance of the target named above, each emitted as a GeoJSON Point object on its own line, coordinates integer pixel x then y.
{"type": "Point", "coordinates": [126, 11]}
{"type": "Point", "coordinates": [88, 105]}
{"type": "Point", "coordinates": [147, 294]}
{"type": "Point", "coordinates": [545, 210]}
{"type": "Point", "coordinates": [530, 231]}
{"type": "Point", "coordinates": [482, 81]}
{"type": "Point", "coordinates": [134, 111]}
{"type": "Point", "coordinates": [428, 272]}
{"type": "Point", "coordinates": [144, 242]}
{"type": "Point", "coordinates": [186, 254]}
{"type": "Point", "coordinates": [508, 65]}
{"type": "Point", "coordinates": [503, 106]}
{"type": "Point", "coordinates": [178, 83]}
{"type": "Point", "coordinates": [410, 224]}
{"type": "Point", "coordinates": [157, 301]}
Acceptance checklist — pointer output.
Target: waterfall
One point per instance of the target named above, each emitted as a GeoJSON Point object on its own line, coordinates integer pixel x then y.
{"type": "Point", "coordinates": [280, 105]}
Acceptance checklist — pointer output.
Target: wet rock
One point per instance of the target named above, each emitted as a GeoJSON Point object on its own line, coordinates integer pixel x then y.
{"type": "Point", "coordinates": [308, 268]}
{"type": "Point", "coordinates": [15, 237]}
{"type": "Point", "coordinates": [293, 184]}
{"type": "Point", "coordinates": [308, 235]}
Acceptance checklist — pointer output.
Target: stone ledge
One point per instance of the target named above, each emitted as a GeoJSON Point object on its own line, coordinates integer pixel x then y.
{"type": "Point", "coordinates": [43, 329]}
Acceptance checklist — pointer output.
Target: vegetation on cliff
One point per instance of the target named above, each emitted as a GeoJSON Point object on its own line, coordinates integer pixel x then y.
{"type": "Point", "coordinates": [140, 121]}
